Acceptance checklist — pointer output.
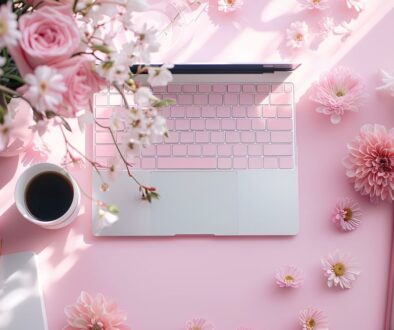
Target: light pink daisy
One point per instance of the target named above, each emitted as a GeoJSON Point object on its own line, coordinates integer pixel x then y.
{"type": "Point", "coordinates": [297, 34]}
{"type": "Point", "coordinates": [313, 319]}
{"type": "Point", "coordinates": [198, 324]}
{"type": "Point", "coordinates": [370, 162]}
{"type": "Point", "coordinates": [388, 82]}
{"type": "Point", "coordinates": [96, 313]}
{"type": "Point", "coordinates": [340, 270]}
{"type": "Point", "coordinates": [347, 214]}
{"type": "Point", "coordinates": [45, 88]}
{"type": "Point", "coordinates": [314, 4]}
{"type": "Point", "coordinates": [229, 5]}
{"type": "Point", "coordinates": [289, 277]}
{"type": "Point", "coordinates": [337, 92]}
{"type": "Point", "coordinates": [358, 5]}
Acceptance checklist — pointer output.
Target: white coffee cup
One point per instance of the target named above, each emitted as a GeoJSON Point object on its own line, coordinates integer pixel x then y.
{"type": "Point", "coordinates": [20, 193]}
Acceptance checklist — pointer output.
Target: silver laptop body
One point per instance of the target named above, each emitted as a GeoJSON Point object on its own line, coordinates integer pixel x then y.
{"type": "Point", "coordinates": [240, 117]}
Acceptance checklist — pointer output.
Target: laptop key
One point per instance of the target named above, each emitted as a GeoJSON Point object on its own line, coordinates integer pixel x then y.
{"type": "Point", "coordinates": [186, 163]}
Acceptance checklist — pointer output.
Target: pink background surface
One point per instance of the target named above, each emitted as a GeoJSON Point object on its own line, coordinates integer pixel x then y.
{"type": "Point", "coordinates": [161, 283]}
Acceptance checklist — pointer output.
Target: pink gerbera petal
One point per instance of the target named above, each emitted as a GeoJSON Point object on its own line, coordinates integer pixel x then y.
{"type": "Point", "coordinates": [370, 162]}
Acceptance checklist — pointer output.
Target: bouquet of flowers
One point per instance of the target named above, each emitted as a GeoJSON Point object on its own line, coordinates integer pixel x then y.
{"type": "Point", "coordinates": [55, 54]}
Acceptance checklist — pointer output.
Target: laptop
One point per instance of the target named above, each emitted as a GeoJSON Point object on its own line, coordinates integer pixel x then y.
{"type": "Point", "coordinates": [21, 301]}
{"type": "Point", "coordinates": [228, 166]}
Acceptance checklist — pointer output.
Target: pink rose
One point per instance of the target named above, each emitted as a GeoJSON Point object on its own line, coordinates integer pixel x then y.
{"type": "Point", "coordinates": [81, 81]}
{"type": "Point", "coordinates": [49, 35]}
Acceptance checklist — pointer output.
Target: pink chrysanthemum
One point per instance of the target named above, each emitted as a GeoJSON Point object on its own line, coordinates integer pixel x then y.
{"type": "Point", "coordinates": [337, 92]}
{"type": "Point", "coordinates": [229, 5]}
{"type": "Point", "coordinates": [340, 270]}
{"type": "Point", "coordinates": [347, 214]}
{"type": "Point", "coordinates": [199, 324]}
{"type": "Point", "coordinates": [94, 313]}
{"type": "Point", "coordinates": [370, 162]}
{"type": "Point", "coordinates": [313, 319]}
{"type": "Point", "coordinates": [289, 277]}
{"type": "Point", "coordinates": [314, 4]}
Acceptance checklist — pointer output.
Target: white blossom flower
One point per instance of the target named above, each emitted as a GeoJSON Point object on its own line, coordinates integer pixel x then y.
{"type": "Point", "coordinates": [229, 5]}
{"type": "Point", "coordinates": [388, 82]}
{"type": "Point", "coordinates": [340, 269]}
{"type": "Point", "coordinates": [41, 127]}
{"type": "Point", "coordinates": [143, 96]}
{"type": "Point", "coordinates": [107, 218]}
{"type": "Point", "coordinates": [9, 33]}
{"type": "Point", "coordinates": [45, 88]}
{"type": "Point", "coordinates": [113, 167]}
{"type": "Point", "coordinates": [314, 4]}
{"type": "Point", "coordinates": [159, 126]}
{"type": "Point", "coordinates": [146, 42]}
{"type": "Point", "coordinates": [297, 34]}
{"type": "Point", "coordinates": [5, 129]}
{"type": "Point", "coordinates": [160, 76]}
{"type": "Point", "coordinates": [358, 5]}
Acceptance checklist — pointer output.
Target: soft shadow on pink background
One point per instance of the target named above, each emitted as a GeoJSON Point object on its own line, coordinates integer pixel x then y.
{"type": "Point", "coordinates": [161, 283]}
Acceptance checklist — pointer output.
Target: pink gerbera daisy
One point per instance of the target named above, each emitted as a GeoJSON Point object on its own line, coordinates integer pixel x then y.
{"type": "Point", "coordinates": [94, 313]}
{"type": "Point", "coordinates": [199, 324]}
{"type": "Point", "coordinates": [289, 277]}
{"type": "Point", "coordinates": [370, 162]}
{"type": "Point", "coordinates": [340, 270]}
{"type": "Point", "coordinates": [337, 92]}
{"type": "Point", "coordinates": [229, 5]}
{"type": "Point", "coordinates": [347, 214]}
{"type": "Point", "coordinates": [313, 319]}
{"type": "Point", "coordinates": [314, 4]}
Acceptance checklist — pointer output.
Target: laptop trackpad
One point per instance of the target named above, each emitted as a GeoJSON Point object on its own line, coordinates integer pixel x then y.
{"type": "Point", "coordinates": [195, 202]}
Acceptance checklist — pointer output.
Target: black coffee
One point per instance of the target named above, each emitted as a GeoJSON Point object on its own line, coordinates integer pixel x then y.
{"type": "Point", "coordinates": [49, 195]}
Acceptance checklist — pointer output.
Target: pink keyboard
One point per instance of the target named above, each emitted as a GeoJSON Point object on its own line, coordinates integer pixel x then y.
{"type": "Point", "coordinates": [214, 126]}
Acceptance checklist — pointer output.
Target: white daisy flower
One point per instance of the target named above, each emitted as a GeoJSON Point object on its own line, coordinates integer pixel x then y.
{"type": "Point", "coordinates": [45, 88]}
{"type": "Point", "coordinates": [340, 270]}
{"type": "Point", "coordinates": [297, 34]}
{"type": "Point", "coordinates": [9, 33]}
{"type": "Point", "coordinates": [159, 76]}
{"type": "Point", "coordinates": [229, 5]}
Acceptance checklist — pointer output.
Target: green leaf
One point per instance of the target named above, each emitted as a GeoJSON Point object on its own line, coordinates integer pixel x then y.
{"type": "Point", "coordinates": [102, 48]}
{"type": "Point", "coordinates": [113, 209]}
{"type": "Point", "coordinates": [163, 103]}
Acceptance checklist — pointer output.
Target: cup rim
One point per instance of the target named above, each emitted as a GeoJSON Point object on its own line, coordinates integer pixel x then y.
{"type": "Point", "coordinates": [41, 168]}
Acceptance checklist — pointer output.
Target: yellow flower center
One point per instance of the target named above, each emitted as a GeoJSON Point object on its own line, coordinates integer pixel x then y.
{"type": "Point", "coordinates": [310, 324]}
{"type": "Point", "coordinates": [340, 93]}
{"type": "Point", "coordinates": [316, 2]}
{"type": "Point", "coordinates": [229, 2]}
{"type": "Point", "coordinates": [3, 28]}
{"type": "Point", "coordinates": [196, 328]}
{"type": "Point", "coordinates": [339, 269]}
{"type": "Point", "coordinates": [289, 279]}
{"type": "Point", "coordinates": [348, 214]}
{"type": "Point", "coordinates": [43, 87]}
{"type": "Point", "coordinates": [299, 37]}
